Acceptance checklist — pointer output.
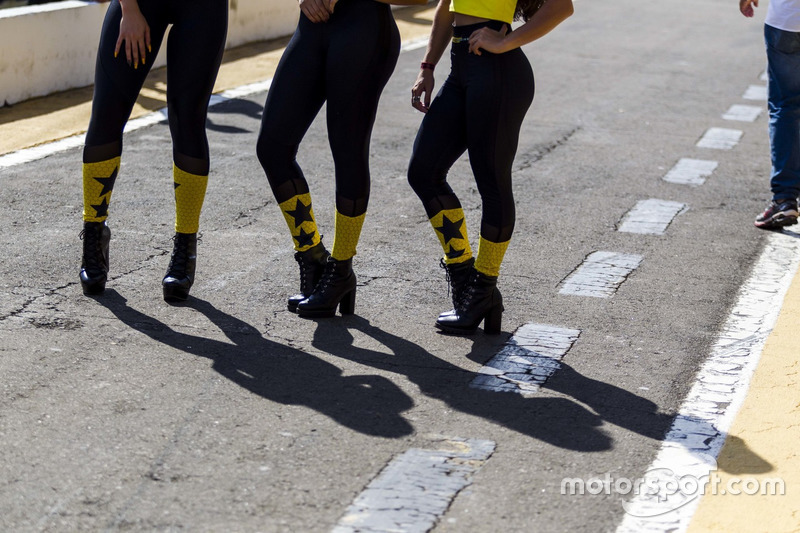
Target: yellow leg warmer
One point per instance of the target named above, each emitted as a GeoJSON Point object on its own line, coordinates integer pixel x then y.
{"type": "Point", "coordinates": [345, 239]}
{"type": "Point", "coordinates": [190, 191]}
{"type": "Point", "coordinates": [490, 256]}
{"type": "Point", "coordinates": [98, 182]}
{"type": "Point", "coordinates": [299, 217]}
{"type": "Point", "coordinates": [451, 229]}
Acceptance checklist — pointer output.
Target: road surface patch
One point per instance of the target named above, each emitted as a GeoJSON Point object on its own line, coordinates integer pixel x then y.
{"type": "Point", "coordinates": [650, 217]}
{"type": "Point", "coordinates": [416, 488]}
{"type": "Point", "coordinates": [527, 359]}
{"type": "Point", "coordinates": [600, 274]}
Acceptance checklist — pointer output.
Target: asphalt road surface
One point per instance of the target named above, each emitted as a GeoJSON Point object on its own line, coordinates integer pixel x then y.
{"type": "Point", "coordinates": [122, 412]}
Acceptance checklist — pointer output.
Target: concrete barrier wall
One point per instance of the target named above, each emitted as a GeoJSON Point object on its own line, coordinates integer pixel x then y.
{"type": "Point", "coordinates": [51, 47]}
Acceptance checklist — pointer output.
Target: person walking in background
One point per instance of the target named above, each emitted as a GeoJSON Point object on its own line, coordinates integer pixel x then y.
{"type": "Point", "coordinates": [131, 37]}
{"type": "Point", "coordinates": [782, 38]}
{"type": "Point", "coordinates": [479, 109]}
{"type": "Point", "coordinates": [343, 54]}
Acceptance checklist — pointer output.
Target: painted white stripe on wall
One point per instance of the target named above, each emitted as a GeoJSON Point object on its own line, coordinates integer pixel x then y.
{"type": "Point", "coordinates": [755, 92]}
{"type": "Point", "coordinates": [600, 274]}
{"type": "Point", "coordinates": [416, 488]}
{"type": "Point", "coordinates": [742, 113]}
{"type": "Point", "coordinates": [650, 217]}
{"type": "Point", "coordinates": [708, 411]}
{"type": "Point", "coordinates": [720, 138]}
{"type": "Point", "coordinates": [529, 357]}
{"type": "Point", "coordinates": [691, 171]}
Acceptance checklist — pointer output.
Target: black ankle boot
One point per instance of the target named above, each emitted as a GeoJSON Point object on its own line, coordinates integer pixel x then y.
{"type": "Point", "coordinates": [336, 287]}
{"type": "Point", "coordinates": [481, 302]}
{"type": "Point", "coordinates": [312, 265]}
{"type": "Point", "coordinates": [94, 264]}
{"type": "Point", "coordinates": [457, 275]}
{"type": "Point", "coordinates": [180, 274]}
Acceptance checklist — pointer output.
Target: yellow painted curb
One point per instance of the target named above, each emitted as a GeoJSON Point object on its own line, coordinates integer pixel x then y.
{"type": "Point", "coordinates": [65, 114]}
{"type": "Point", "coordinates": [763, 446]}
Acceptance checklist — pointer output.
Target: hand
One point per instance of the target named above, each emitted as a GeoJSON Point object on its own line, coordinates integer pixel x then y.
{"type": "Point", "coordinates": [489, 40]}
{"type": "Point", "coordinates": [135, 33]}
{"type": "Point", "coordinates": [317, 10]}
{"type": "Point", "coordinates": [746, 7]}
{"type": "Point", "coordinates": [423, 86]}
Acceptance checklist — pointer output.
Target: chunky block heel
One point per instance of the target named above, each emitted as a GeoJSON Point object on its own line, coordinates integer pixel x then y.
{"type": "Point", "coordinates": [493, 321]}
{"type": "Point", "coordinates": [348, 304]}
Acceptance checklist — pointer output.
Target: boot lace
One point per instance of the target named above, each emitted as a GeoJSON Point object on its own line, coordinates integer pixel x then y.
{"type": "Point", "coordinates": [443, 266]}
{"type": "Point", "coordinates": [92, 249]}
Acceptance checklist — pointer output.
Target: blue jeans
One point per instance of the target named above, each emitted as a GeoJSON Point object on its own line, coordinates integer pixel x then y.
{"type": "Point", "coordinates": [783, 71]}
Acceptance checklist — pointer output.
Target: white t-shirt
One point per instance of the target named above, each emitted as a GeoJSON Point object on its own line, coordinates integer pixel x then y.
{"type": "Point", "coordinates": [784, 15]}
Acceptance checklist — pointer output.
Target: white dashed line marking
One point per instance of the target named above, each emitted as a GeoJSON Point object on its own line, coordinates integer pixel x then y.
{"type": "Point", "coordinates": [416, 488]}
{"type": "Point", "coordinates": [691, 171]}
{"type": "Point", "coordinates": [529, 357]}
{"type": "Point", "coordinates": [720, 389]}
{"type": "Point", "coordinates": [742, 113]}
{"type": "Point", "coordinates": [651, 217]}
{"type": "Point", "coordinates": [720, 138]}
{"type": "Point", "coordinates": [600, 274]}
{"type": "Point", "coordinates": [755, 92]}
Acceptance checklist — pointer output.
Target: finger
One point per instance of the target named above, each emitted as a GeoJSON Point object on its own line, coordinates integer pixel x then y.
{"type": "Point", "coordinates": [143, 51]}
{"type": "Point", "coordinates": [147, 39]}
{"type": "Point", "coordinates": [135, 53]}
{"type": "Point", "coordinates": [128, 53]}
{"type": "Point", "coordinates": [117, 46]}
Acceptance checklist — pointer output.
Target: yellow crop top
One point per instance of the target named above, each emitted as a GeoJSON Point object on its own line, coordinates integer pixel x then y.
{"type": "Point", "coordinates": [502, 10]}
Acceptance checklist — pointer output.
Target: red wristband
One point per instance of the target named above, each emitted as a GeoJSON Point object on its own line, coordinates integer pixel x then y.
{"type": "Point", "coordinates": [428, 66]}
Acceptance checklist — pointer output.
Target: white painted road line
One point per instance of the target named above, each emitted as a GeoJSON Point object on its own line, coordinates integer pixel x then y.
{"type": "Point", "coordinates": [691, 171]}
{"type": "Point", "coordinates": [720, 139]}
{"type": "Point", "coordinates": [699, 430]}
{"type": "Point", "coordinates": [600, 274]}
{"type": "Point", "coordinates": [755, 92]}
{"type": "Point", "coordinates": [416, 488]}
{"type": "Point", "coordinates": [529, 357]}
{"type": "Point", "coordinates": [742, 113]}
{"type": "Point", "coordinates": [650, 217]}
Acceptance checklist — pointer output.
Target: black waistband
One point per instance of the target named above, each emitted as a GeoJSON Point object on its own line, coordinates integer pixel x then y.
{"type": "Point", "coordinates": [462, 32]}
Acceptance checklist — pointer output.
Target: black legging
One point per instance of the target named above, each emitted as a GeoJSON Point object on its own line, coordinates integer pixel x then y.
{"type": "Point", "coordinates": [480, 109]}
{"type": "Point", "coordinates": [345, 61]}
{"type": "Point", "coordinates": [194, 52]}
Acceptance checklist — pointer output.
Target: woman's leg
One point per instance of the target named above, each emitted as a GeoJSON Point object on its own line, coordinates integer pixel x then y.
{"type": "Point", "coordinates": [294, 99]}
{"type": "Point", "coordinates": [194, 53]}
{"type": "Point", "coordinates": [499, 94]}
{"type": "Point", "coordinates": [499, 91]}
{"type": "Point", "coordinates": [117, 85]}
{"type": "Point", "coordinates": [440, 141]}
{"type": "Point", "coordinates": [363, 51]}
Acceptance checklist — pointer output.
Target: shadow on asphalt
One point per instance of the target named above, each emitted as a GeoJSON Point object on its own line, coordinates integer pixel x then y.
{"type": "Point", "coordinates": [233, 107]}
{"type": "Point", "coordinates": [557, 421]}
{"type": "Point", "coordinates": [372, 404]}
{"type": "Point", "coordinates": [369, 404]}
